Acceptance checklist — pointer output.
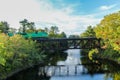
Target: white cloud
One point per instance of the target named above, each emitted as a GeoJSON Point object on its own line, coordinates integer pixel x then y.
{"type": "Point", "coordinates": [105, 7]}
{"type": "Point", "coordinates": [15, 10]}
{"type": "Point", "coordinates": [44, 14]}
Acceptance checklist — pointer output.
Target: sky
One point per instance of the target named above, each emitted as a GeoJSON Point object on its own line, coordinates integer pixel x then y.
{"type": "Point", "coordinates": [71, 16]}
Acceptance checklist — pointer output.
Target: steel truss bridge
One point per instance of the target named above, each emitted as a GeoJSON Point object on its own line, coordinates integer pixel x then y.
{"type": "Point", "coordinates": [68, 43]}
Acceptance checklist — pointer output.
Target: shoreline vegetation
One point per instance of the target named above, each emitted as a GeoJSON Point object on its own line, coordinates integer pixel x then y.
{"type": "Point", "coordinates": [17, 53]}
{"type": "Point", "coordinates": [109, 31]}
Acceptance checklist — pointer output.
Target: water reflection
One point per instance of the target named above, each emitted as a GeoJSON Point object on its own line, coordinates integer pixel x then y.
{"type": "Point", "coordinates": [53, 58]}
{"type": "Point", "coordinates": [73, 58]}
{"type": "Point", "coordinates": [59, 66]}
{"type": "Point", "coordinates": [29, 74]}
{"type": "Point", "coordinates": [63, 70]}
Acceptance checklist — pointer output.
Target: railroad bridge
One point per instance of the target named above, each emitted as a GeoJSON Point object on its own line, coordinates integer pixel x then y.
{"type": "Point", "coordinates": [68, 43]}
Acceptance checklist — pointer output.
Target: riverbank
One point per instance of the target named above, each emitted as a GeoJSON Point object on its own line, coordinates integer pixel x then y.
{"type": "Point", "coordinates": [116, 64]}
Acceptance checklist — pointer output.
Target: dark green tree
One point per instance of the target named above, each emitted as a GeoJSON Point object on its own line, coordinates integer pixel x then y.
{"type": "Point", "coordinates": [24, 23]}
{"type": "Point", "coordinates": [27, 26]}
{"type": "Point", "coordinates": [53, 32]}
{"type": "Point", "coordinates": [31, 26]}
{"type": "Point", "coordinates": [62, 35]}
{"type": "Point", "coordinates": [46, 30]}
{"type": "Point", "coordinates": [4, 27]}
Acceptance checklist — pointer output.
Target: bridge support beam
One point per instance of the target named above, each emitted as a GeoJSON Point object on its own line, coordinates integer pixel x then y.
{"type": "Point", "coordinates": [76, 43]}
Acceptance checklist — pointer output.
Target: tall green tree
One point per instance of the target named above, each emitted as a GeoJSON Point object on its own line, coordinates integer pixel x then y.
{"type": "Point", "coordinates": [62, 35]}
{"type": "Point", "coordinates": [17, 53]}
{"type": "Point", "coordinates": [24, 23]}
{"type": "Point", "coordinates": [4, 27]}
{"type": "Point", "coordinates": [27, 26]}
{"type": "Point", "coordinates": [89, 32]}
{"type": "Point", "coordinates": [31, 27]}
{"type": "Point", "coordinates": [53, 31]}
{"type": "Point", "coordinates": [109, 30]}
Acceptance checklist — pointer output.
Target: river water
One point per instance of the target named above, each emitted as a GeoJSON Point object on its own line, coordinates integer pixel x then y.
{"type": "Point", "coordinates": [72, 60]}
{"type": "Point", "coordinates": [74, 67]}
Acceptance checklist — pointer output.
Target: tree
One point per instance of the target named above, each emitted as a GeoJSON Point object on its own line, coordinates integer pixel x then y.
{"type": "Point", "coordinates": [4, 27]}
{"type": "Point", "coordinates": [27, 26]}
{"type": "Point", "coordinates": [54, 29]}
{"type": "Point", "coordinates": [17, 53]}
{"type": "Point", "coordinates": [109, 30]}
{"type": "Point", "coordinates": [46, 30]}
{"type": "Point", "coordinates": [31, 27]}
{"type": "Point", "coordinates": [62, 35]}
{"type": "Point", "coordinates": [89, 32]}
{"type": "Point", "coordinates": [53, 32]}
{"type": "Point", "coordinates": [24, 24]}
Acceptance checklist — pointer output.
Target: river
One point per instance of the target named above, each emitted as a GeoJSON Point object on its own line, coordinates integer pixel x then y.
{"type": "Point", "coordinates": [74, 67]}
{"type": "Point", "coordinates": [72, 60]}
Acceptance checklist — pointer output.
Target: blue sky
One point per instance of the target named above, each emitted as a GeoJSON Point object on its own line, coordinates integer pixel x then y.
{"type": "Point", "coordinates": [71, 16]}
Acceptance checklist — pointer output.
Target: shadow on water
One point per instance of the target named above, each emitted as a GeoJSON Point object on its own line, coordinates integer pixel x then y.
{"type": "Point", "coordinates": [28, 74]}
{"type": "Point", "coordinates": [70, 65]}
{"type": "Point", "coordinates": [53, 58]}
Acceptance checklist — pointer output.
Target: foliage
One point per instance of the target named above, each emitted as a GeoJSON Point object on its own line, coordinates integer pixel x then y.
{"type": "Point", "coordinates": [17, 53]}
{"type": "Point", "coordinates": [26, 26]}
{"type": "Point", "coordinates": [92, 52]}
{"type": "Point", "coordinates": [2, 54]}
{"type": "Point", "coordinates": [62, 35]}
{"type": "Point", "coordinates": [89, 32]}
{"type": "Point", "coordinates": [109, 30]}
{"type": "Point", "coordinates": [4, 27]}
{"type": "Point", "coordinates": [116, 76]}
{"type": "Point", "coordinates": [53, 32]}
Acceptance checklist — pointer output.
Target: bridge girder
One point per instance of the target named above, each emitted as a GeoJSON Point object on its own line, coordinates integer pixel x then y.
{"type": "Point", "coordinates": [68, 43]}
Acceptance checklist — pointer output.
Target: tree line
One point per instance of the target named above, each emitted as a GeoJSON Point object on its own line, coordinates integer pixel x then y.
{"type": "Point", "coordinates": [29, 27]}
{"type": "Point", "coordinates": [16, 52]}
{"type": "Point", "coordinates": [109, 31]}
